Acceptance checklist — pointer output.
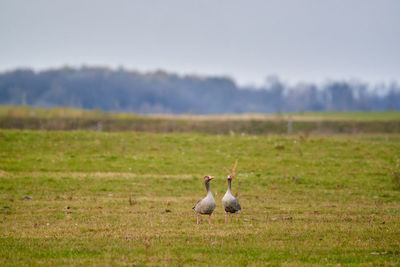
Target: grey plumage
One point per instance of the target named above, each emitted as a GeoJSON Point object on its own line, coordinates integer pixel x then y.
{"type": "Point", "coordinates": [233, 206]}
{"type": "Point", "coordinates": [229, 202]}
{"type": "Point", "coordinates": [206, 205]}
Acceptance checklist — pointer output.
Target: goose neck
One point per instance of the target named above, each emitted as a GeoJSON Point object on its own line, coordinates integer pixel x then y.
{"type": "Point", "coordinates": [229, 185]}
{"type": "Point", "coordinates": [208, 187]}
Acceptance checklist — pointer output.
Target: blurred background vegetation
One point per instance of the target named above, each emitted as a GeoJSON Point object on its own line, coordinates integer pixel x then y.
{"type": "Point", "coordinates": [162, 92]}
{"type": "Point", "coordinates": [20, 117]}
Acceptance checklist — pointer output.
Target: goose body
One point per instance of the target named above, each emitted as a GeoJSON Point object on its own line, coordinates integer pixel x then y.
{"type": "Point", "coordinates": [229, 202]}
{"type": "Point", "coordinates": [206, 205]}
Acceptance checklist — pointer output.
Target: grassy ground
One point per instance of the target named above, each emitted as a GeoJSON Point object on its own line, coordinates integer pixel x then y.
{"type": "Point", "coordinates": [62, 113]}
{"type": "Point", "coordinates": [126, 199]}
{"type": "Point", "coordinates": [260, 124]}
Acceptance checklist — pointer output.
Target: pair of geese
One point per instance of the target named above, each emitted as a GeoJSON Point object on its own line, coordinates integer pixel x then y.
{"type": "Point", "coordinates": [207, 205]}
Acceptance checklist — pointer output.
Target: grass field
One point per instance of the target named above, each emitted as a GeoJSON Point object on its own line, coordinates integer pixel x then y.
{"type": "Point", "coordinates": [62, 113]}
{"type": "Point", "coordinates": [125, 199]}
{"type": "Point", "coordinates": [30, 118]}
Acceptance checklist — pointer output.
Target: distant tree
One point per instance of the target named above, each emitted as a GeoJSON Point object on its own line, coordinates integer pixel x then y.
{"type": "Point", "coordinates": [161, 92]}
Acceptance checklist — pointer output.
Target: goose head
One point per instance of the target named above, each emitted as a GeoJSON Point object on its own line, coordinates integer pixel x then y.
{"type": "Point", "coordinates": [208, 178]}
{"type": "Point", "coordinates": [229, 177]}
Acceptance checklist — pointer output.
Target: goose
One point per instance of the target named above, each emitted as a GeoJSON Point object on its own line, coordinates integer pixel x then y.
{"type": "Point", "coordinates": [206, 205]}
{"type": "Point", "coordinates": [229, 202]}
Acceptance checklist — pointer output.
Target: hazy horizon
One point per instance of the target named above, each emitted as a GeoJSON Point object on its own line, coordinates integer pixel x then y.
{"type": "Point", "coordinates": [252, 84]}
{"type": "Point", "coordinates": [310, 41]}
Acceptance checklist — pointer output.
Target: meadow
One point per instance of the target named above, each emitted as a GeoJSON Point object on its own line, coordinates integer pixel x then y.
{"type": "Point", "coordinates": [126, 198]}
{"type": "Point", "coordinates": [31, 118]}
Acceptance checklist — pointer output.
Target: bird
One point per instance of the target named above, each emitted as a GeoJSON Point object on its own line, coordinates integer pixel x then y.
{"type": "Point", "coordinates": [229, 202]}
{"type": "Point", "coordinates": [206, 205]}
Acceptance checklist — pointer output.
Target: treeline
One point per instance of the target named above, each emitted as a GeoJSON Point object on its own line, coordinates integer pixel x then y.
{"type": "Point", "coordinates": [161, 92]}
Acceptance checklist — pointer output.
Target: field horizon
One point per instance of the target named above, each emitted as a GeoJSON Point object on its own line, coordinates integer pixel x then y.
{"type": "Point", "coordinates": [315, 123]}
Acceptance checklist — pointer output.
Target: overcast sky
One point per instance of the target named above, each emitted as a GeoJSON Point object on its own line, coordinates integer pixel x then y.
{"type": "Point", "coordinates": [308, 40]}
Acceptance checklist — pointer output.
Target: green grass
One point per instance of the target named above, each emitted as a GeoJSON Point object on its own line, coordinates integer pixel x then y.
{"type": "Point", "coordinates": [260, 124]}
{"type": "Point", "coordinates": [354, 115]}
{"type": "Point", "coordinates": [339, 191]}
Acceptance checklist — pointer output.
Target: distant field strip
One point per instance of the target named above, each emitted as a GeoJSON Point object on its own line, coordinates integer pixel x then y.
{"type": "Point", "coordinates": [258, 124]}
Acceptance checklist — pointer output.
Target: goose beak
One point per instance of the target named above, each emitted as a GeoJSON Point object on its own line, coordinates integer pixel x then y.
{"type": "Point", "coordinates": [210, 177]}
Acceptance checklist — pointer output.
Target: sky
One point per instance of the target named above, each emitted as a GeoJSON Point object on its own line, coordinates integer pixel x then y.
{"type": "Point", "coordinates": [300, 41]}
